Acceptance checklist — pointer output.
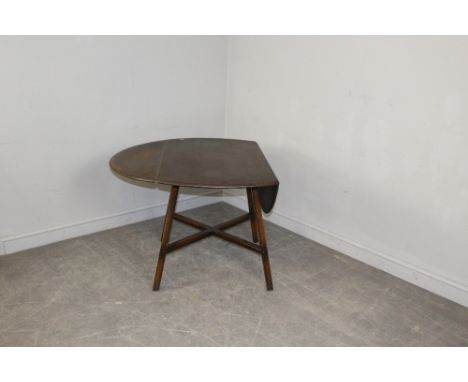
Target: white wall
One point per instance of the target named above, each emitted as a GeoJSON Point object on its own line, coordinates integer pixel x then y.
{"type": "Point", "coordinates": [67, 104]}
{"type": "Point", "coordinates": [369, 139]}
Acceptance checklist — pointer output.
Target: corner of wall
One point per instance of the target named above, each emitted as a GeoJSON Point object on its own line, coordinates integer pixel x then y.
{"type": "Point", "coordinates": [226, 85]}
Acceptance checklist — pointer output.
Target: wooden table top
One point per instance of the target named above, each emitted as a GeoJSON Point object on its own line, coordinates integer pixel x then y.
{"type": "Point", "coordinates": [202, 163]}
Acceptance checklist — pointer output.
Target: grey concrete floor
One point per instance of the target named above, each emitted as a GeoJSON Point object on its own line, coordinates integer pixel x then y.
{"type": "Point", "coordinates": [96, 291]}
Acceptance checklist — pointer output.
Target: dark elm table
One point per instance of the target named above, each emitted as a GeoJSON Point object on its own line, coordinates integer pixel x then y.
{"type": "Point", "coordinates": [205, 163]}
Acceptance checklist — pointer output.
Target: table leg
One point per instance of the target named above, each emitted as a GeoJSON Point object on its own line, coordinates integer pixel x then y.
{"type": "Point", "coordinates": [165, 235]}
{"type": "Point", "coordinates": [253, 223]}
{"type": "Point", "coordinates": [262, 238]}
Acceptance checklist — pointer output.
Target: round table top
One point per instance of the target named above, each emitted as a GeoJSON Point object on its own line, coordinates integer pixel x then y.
{"type": "Point", "coordinates": [200, 162]}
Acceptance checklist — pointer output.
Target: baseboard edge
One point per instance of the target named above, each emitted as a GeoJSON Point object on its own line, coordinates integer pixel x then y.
{"type": "Point", "coordinates": [18, 243]}
{"type": "Point", "coordinates": [434, 283]}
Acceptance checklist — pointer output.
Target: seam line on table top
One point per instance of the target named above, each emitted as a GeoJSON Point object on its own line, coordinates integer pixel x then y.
{"type": "Point", "coordinates": [161, 157]}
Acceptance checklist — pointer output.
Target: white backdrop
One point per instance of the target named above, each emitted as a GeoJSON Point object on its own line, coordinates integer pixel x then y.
{"type": "Point", "coordinates": [67, 104]}
{"type": "Point", "coordinates": [369, 138]}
